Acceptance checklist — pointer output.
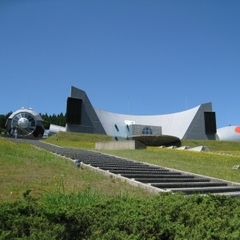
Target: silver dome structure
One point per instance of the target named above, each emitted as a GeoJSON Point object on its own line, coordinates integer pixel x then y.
{"type": "Point", "coordinates": [27, 122]}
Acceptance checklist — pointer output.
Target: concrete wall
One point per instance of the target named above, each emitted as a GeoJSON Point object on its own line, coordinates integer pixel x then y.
{"type": "Point", "coordinates": [128, 144]}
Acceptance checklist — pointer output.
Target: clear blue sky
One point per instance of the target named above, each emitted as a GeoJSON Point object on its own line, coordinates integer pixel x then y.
{"type": "Point", "coordinates": [130, 56]}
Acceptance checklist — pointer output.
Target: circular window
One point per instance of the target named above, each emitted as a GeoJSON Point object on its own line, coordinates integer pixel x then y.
{"type": "Point", "coordinates": [147, 131]}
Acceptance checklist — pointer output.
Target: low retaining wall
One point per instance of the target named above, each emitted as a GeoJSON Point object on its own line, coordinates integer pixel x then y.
{"type": "Point", "coordinates": [112, 145]}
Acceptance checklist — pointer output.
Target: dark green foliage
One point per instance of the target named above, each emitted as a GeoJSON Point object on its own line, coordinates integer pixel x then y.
{"type": "Point", "coordinates": [169, 217]}
{"type": "Point", "coordinates": [165, 216]}
{"type": "Point", "coordinates": [3, 120]}
{"type": "Point", "coordinates": [59, 119]}
{"type": "Point", "coordinates": [26, 220]}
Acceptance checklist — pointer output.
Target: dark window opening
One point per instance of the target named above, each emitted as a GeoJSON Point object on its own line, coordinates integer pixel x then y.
{"type": "Point", "coordinates": [74, 109]}
{"type": "Point", "coordinates": [210, 122]}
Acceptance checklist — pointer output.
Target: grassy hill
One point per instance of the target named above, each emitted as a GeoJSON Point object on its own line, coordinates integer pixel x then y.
{"type": "Point", "coordinates": [60, 201]}
{"type": "Point", "coordinates": [217, 163]}
{"type": "Point", "coordinates": [87, 141]}
{"type": "Point", "coordinates": [24, 167]}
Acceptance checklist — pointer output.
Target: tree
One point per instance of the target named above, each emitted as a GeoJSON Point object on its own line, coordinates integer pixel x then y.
{"type": "Point", "coordinates": [3, 120]}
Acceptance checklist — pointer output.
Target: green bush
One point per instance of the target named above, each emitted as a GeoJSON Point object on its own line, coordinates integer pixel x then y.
{"type": "Point", "coordinates": [164, 216]}
{"type": "Point", "coordinates": [26, 220]}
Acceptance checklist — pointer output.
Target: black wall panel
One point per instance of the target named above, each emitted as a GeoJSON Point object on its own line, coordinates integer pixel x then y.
{"type": "Point", "coordinates": [74, 109]}
{"type": "Point", "coordinates": [210, 122]}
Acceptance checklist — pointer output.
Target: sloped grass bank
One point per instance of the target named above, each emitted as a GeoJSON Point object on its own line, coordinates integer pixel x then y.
{"type": "Point", "coordinates": [203, 163]}
{"type": "Point", "coordinates": [44, 196]}
{"type": "Point", "coordinates": [24, 167]}
{"type": "Point", "coordinates": [215, 146]}
{"type": "Point", "coordinates": [77, 140]}
{"type": "Point", "coordinates": [217, 163]}
{"type": "Point", "coordinates": [92, 216]}
{"type": "Point", "coordinates": [87, 141]}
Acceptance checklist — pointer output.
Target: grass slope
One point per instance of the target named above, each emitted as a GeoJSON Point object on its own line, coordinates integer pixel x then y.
{"type": "Point", "coordinates": [60, 201]}
{"type": "Point", "coordinates": [24, 167]}
{"type": "Point", "coordinates": [218, 163]}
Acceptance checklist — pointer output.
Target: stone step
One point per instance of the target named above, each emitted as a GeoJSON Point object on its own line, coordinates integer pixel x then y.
{"type": "Point", "coordinates": [90, 161]}
{"type": "Point", "coordinates": [162, 175]}
{"type": "Point", "coordinates": [231, 194]}
{"type": "Point", "coordinates": [162, 180]}
{"type": "Point", "coordinates": [137, 171]}
{"type": "Point", "coordinates": [124, 166]}
{"type": "Point", "coordinates": [201, 190]}
{"type": "Point", "coordinates": [188, 184]}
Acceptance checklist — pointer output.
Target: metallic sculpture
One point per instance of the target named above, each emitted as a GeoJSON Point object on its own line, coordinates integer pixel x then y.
{"type": "Point", "coordinates": [25, 123]}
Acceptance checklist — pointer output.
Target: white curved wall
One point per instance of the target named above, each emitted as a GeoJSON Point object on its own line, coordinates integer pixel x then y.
{"type": "Point", "coordinates": [175, 124]}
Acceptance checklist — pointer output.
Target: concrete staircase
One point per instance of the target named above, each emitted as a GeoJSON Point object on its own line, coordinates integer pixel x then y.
{"type": "Point", "coordinates": [145, 175]}
{"type": "Point", "coordinates": [162, 178]}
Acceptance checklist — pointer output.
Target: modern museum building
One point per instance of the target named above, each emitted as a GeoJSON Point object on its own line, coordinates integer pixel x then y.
{"type": "Point", "coordinates": [197, 123]}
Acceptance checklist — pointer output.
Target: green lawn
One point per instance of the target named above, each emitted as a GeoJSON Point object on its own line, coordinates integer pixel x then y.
{"type": "Point", "coordinates": [24, 167]}
{"type": "Point", "coordinates": [60, 201]}
{"type": "Point", "coordinates": [217, 163]}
